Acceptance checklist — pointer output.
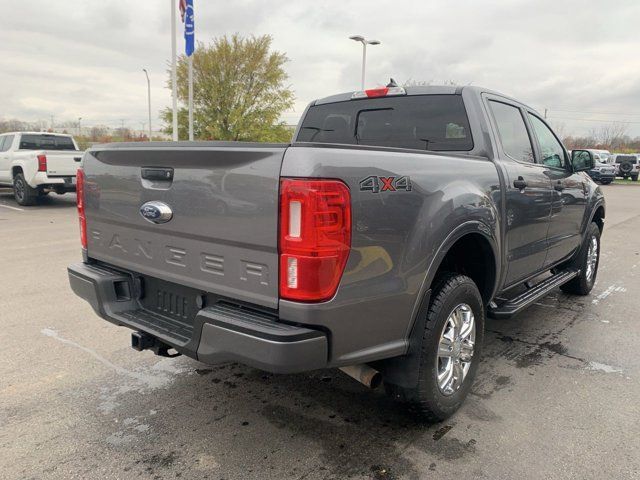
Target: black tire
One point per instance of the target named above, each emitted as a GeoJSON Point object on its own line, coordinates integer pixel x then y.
{"type": "Point", "coordinates": [625, 167]}
{"type": "Point", "coordinates": [426, 398]}
{"type": "Point", "coordinates": [634, 178]}
{"type": "Point", "coordinates": [23, 193]}
{"type": "Point", "coordinates": [583, 283]}
{"type": "Point", "coordinates": [605, 182]}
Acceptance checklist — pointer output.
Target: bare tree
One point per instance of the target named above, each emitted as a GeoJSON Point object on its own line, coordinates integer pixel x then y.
{"type": "Point", "coordinates": [560, 129]}
{"type": "Point", "coordinates": [610, 136]}
{"type": "Point", "coordinates": [97, 132]}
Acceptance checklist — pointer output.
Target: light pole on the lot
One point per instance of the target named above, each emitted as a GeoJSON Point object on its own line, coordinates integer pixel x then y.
{"type": "Point", "coordinates": [364, 42]}
{"type": "Point", "coordinates": [148, 98]}
{"type": "Point", "coordinates": [79, 126]}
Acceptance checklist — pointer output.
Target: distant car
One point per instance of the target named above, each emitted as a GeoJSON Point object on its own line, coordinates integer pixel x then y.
{"type": "Point", "coordinates": [602, 173]}
{"type": "Point", "coordinates": [36, 163]}
{"type": "Point", "coordinates": [627, 165]}
{"type": "Point", "coordinates": [603, 156]}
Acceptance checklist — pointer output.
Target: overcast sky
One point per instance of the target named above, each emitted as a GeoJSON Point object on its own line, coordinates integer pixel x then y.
{"type": "Point", "coordinates": [84, 58]}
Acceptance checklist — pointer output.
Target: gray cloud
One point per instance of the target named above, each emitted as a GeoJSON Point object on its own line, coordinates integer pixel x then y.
{"type": "Point", "coordinates": [576, 58]}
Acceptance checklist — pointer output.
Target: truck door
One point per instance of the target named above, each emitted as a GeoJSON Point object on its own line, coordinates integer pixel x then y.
{"type": "Point", "coordinates": [5, 158]}
{"type": "Point", "coordinates": [528, 193]}
{"type": "Point", "coordinates": [569, 193]}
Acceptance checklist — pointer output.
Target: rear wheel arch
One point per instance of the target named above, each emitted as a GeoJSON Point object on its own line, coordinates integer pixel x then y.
{"type": "Point", "coordinates": [473, 236]}
{"type": "Point", "coordinates": [598, 216]}
{"type": "Point", "coordinates": [472, 254]}
{"type": "Point", "coordinates": [16, 170]}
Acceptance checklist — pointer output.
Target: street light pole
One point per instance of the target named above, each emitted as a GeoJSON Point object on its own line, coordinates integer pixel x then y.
{"type": "Point", "coordinates": [364, 42]}
{"type": "Point", "coordinates": [79, 126]}
{"type": "Point", "coordinates": [148, 98]}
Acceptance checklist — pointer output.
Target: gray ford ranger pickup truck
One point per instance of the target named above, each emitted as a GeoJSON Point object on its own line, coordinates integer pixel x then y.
{"type": "Point", "coordinates": [376, 242]}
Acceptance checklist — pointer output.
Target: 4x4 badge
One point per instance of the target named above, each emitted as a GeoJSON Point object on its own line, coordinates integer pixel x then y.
{"type": "Point", "coordinates": [378, 184]}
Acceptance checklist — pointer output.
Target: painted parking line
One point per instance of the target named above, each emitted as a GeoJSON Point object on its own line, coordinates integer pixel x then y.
{"type": "Point", "coordinates": [11, 208]}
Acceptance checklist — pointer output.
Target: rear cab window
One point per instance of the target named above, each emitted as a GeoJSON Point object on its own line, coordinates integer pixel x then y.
{"type": "Point", "coordinates": [419, 122]}
{"type": "Point", "coordinates": [46, 142]}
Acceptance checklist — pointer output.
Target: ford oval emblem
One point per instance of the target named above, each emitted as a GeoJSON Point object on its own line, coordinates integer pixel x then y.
{"type": "Point", "coordinates": [156, 212]}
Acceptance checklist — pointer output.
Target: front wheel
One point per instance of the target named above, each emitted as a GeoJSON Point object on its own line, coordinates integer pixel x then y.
{"type": "Point", "coordinates": [449, 353]}
{"type": "Point", "coordinates": [605, 182]}
{"type": "Point", "coordinates": [587, 260]}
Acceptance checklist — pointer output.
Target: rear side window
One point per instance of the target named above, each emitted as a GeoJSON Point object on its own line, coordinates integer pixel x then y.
{"type": "Point", "coordinates": [512, 131]}
{"type": "Point", "coordinates": [46, 142]}
{"type": "Point", "coordinates": [421, 122]}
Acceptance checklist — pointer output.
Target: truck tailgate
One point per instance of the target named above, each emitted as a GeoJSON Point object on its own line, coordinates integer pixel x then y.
{"type": "Point", "coordinates": [62, 163]}
{"type": "Point", "coordinates": [222, 237]}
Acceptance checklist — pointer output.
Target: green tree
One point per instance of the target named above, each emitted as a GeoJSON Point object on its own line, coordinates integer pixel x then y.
{"type": "Point", "coordinates": [239, 92]}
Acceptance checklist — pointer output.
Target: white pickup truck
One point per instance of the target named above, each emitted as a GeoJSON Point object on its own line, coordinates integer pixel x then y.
{"type": "Point", "coordinates": [36, 163]}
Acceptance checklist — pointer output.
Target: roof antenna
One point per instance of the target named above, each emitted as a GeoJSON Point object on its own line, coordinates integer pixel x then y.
{"type": "Point", "coordinates": [392, 83]}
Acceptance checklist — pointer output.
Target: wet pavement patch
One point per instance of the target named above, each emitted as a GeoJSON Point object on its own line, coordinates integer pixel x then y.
{"type": "Point", "coordinates": [354, 454]}
{"type": "Point", "coordinates": [441, 432]}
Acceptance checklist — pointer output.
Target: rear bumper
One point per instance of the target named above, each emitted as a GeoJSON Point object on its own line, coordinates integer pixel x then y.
{"type": "Point", "coordinates": [42, 179]}
{"type": "Point", "coordinates": [218, 333]}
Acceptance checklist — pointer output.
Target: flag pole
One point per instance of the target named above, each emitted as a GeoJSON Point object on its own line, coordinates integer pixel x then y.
{"type": "Point", "coordinates": [174, 71]}
{"type": "Point", "coordinates": [190, 57]}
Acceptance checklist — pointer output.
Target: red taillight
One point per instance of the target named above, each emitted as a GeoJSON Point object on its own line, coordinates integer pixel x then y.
{"type": "Point", "coordinates": [42, 163]}
{"type": "Point", "coordinates": [80, 201]}
{"type": "Point", "coordinates": [315, 237]}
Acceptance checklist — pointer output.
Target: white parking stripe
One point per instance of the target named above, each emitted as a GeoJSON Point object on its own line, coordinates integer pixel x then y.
{"type": "Point", "coordinates": [12, 208]}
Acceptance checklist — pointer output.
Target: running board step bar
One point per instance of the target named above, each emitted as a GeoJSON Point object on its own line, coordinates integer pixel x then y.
{"type": "Point", "coordinates": [510, 307]}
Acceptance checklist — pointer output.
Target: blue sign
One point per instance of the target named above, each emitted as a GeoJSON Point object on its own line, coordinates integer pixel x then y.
{"type": "Point", "coordinates": [189, 29]}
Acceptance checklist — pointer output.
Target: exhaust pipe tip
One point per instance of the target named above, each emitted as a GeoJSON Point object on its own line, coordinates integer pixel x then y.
{"type": "Point", "coordinates": [369, 377]}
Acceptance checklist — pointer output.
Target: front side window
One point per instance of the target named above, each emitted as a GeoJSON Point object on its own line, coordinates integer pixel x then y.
{"type": "Point", "coordinates": [550, 148]}
{"type": "Point", "coordinates": [512, 131]}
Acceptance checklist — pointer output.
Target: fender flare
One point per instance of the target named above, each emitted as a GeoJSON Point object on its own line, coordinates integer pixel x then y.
{"type": "Point", "coordinates": [472, 226]}
{"type": "Point", "coordinates": [21, 164]}
{"type": "Point", "coordinates": [600, 202]}
{"type": "Point", "coordinates": [403, 370]}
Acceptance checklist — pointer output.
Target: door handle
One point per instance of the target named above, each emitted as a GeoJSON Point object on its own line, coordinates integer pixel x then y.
{"type": "Point", "coordinates": [158, 174]}
{"type": "Point", "coordinates": [520, 184]}
{"type": "Point", "coordinates": [558, 187]}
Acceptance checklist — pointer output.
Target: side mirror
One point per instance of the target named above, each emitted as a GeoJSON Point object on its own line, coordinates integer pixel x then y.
{"type": "Point", "coordinates": [582, 160]}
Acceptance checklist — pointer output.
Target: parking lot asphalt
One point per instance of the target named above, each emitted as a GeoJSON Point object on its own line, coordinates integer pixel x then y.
{"type": "Point", "coordinates": [557, 395]}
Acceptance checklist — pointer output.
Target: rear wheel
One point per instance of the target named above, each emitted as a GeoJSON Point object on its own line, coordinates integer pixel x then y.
{"type": "Point", "coordinates": [23, 193]}
{"type": "Point", "coordinates": [634, 177]}
{"type": "Point", "coordinates": [587, 260]}
{"type": "Point", "coordinates": [449, 353]}
{"type": "Point", "coordinates": [605, 182]}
